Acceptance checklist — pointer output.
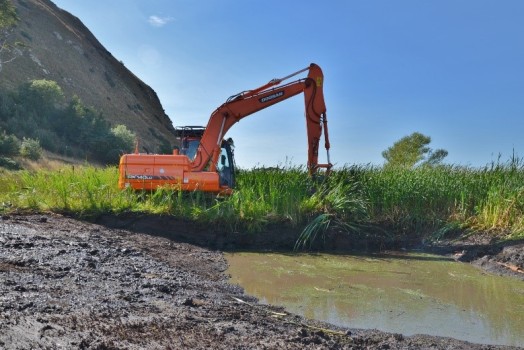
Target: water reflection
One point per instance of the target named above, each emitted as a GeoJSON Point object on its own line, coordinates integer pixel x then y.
{"type": "Point", "coordinates": [403, 293]}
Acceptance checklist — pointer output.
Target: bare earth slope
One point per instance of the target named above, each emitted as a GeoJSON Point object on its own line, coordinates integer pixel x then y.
{"type": "Point", "coordinates": [75, 285]}
{"type": "Point", "coordinates": [57, 46]}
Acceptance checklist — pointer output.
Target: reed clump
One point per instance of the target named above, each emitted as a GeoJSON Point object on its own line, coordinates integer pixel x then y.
{"type": "Point", "coordinates": [424, 201]}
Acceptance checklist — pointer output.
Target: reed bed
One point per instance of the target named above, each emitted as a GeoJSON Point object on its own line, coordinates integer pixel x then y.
{"type": "Point", "coordinates": [424, 202]}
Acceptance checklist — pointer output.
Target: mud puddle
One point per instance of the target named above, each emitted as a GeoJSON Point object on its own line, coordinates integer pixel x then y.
{"type": "Point", "coordinates": [70, 284]}
{"type": "Point", "coordinates": [396, 292]}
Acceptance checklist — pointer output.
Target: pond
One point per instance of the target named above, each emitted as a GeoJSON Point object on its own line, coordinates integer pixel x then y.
{"type": "Point", "coordinates": [406, 293]}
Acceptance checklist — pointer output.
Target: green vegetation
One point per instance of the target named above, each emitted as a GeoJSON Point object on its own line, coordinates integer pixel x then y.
{"type": "Point", "coordinates": [9, 145]}
{"type": "Point", "coordinates": [412, 151]}
{"type": "Point", "coordinates": [37, 116]}
{"type": "Point", "coordinates": [30, 149]}
{"type": "Point", "coordinates": [8, 20]}
{"type": "Point", "coordinates": [362, 201]}
{"type": "Point", "coordinates": [441, 199]}
{"type": "Point", "coordinates": [8, 17]}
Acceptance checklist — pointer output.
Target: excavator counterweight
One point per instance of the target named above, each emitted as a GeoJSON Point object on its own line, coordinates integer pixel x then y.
{"type": "Point", "coordinates": [203, 159]}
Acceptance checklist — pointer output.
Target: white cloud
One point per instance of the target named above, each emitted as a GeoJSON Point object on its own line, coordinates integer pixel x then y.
{"type": "Point", "coordinates": [157, 21]}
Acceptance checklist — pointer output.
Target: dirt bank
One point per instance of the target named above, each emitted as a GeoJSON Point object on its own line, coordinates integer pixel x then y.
{"type": "Point", "coordinates": [500, 257]}
{"type": "Point", "coordinates": [483, 250]}
{"type": "Point", "coordinates": [67, 284]}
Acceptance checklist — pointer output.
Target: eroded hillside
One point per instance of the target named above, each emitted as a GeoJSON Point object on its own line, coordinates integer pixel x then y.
{"type": "Point", "coordinates": [56, 45]}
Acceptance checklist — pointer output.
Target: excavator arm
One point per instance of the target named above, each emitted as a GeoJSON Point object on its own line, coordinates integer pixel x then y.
{"type": "Point", "coordinates": [240, 106]}
{"type": "Point", "coordinates": [190, 171]}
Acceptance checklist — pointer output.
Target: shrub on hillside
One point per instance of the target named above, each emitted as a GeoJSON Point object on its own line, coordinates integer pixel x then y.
{"type": "Point", "coordinates": [125, 138]}
{"type": "Point", "coordinates": [43, 95]}
{"type": "Point", "coordinates": [31, 149]}
{"type": "Point", "coordinates": [39, 111]}
{"type": "Point", "coordinates": [9, 145]}
{"type": "Point", "coordinates": [120, 140]}
{"type": "Point", "coordinates": [9, 164]}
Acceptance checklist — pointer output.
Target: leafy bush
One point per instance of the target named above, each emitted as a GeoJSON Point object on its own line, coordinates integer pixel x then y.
{"type": "Point", "coordinates": [31, 149]}
{"type": "Point", "coordinates": [9, 145]}
{"type": "Point", "coordinates": [42, 94]}
{"type": "Point", "coordinates": [9, 164]}
{"type": "Point", "coordinates": [124, 137]}
{"type": "Point", "coordinates": [8, 17]}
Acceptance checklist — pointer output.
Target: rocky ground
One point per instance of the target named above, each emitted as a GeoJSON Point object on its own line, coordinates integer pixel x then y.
{"type": "Point", "coordinates": [69, 284]}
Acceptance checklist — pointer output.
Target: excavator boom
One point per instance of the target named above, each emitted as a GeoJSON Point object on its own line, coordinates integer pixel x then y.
{"type": "Point", "coordinates": [198, 171]}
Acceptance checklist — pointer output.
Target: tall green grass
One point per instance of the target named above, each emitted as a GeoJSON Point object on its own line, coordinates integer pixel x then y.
{"type": "Point", "coordinates": [435, 199]}
{"type": "Point", "coordinates": [71, 189]}
{"type": "Point", "coordinates": [421, 202]}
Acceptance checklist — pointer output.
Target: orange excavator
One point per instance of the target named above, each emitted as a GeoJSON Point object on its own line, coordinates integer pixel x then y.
{"type": "Point", "coordinates": [203, 160]}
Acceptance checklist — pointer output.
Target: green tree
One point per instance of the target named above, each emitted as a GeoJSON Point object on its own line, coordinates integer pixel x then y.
{"type": "Point", "coordinates": [413, 150]}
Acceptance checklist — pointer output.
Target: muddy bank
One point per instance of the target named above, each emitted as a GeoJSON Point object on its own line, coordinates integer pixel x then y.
{"type": "Point", "coordinates": [70, 284]}
{"type": "Point", "coordinates": [485, 251]}
{"type": "Point", "coordinates": [275, 235]}
{"type": "Point", "coordinates": [491, 254]}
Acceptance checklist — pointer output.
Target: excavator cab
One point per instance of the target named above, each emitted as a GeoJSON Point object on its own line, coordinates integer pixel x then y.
{"type": "Point", "coordinates": [188, 142]}
{"type": "Point", "coordinates": [188, 139]}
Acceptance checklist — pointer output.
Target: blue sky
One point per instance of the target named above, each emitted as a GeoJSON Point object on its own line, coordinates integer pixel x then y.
{"type": "Point", "coordinates": [450, 69]}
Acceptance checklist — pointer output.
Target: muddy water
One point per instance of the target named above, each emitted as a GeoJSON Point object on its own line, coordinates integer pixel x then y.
{"type": "Point", "coordinates": [401, 293]}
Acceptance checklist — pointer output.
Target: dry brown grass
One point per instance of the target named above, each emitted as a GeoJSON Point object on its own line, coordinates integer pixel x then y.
{"type": "Point", "coordinates": [51, 161]}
